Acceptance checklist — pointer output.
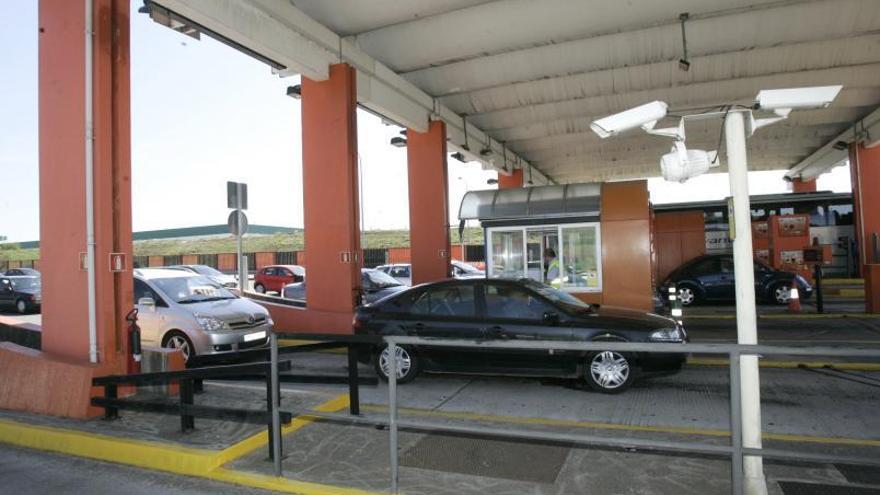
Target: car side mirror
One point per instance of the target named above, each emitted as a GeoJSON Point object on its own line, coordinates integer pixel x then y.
{"type": "Point", "coordinates": [551, 317]}
{"type": "Point", "coordinates": [148, 302]}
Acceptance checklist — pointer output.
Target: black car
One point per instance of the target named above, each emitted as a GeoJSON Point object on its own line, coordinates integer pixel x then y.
{"type": "Point", "coordinates": [710, 278]}
{"type": "Point", "coordinates": [22, 293]}
{"type": "Point", "coordinates": [515, 310]}
{"type": "Point", "coordinates": [22, 272]}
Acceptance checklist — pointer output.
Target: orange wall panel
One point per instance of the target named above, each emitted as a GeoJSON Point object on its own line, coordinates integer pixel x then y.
{"type": "Point", "coordinates": [154, 261]}
{"type": "Point", "coordinates": [264, 259]}
{"type": "Point", "coordinates": [428, 203]}
{"type": "Point", "coordinates": [190, 259]}
{"type": "Point", "coordinates": [398, 255]}
{"type": "Point", "coordinates": [680, 237]}
{"type": "Point", "coordinates": [626, 245]}
{"type": "Point", "coordinates": [865, 173]}
{"type": "Point", "coordinates": [226, 262]}
{"type": "Point", "coordinates": [512, 181]}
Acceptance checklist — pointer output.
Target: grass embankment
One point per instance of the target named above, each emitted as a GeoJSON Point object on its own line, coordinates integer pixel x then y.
{"type": "Point", "coordinates": [277, 242]}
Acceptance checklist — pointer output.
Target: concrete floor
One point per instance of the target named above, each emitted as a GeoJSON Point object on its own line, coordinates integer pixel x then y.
{"type": "Point", "coordinates": [31, 472]}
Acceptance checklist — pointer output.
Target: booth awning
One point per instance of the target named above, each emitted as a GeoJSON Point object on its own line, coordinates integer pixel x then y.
{"type": "Point", "coordinates": [542, 202]}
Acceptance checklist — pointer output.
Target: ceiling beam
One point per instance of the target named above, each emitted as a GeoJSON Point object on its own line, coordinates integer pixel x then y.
{"type": "Point", "coordinates": [830, 154]}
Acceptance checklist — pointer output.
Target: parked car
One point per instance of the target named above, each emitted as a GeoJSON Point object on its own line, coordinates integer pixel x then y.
{"type": "Point", "coordinates": [21, 292]}
{"type": "Point", "coordinates": [710, 278]}
{"type": "Point", "coordinates": [183, 310]}
{"type": "Point", "coordinates": [515, 310]}
{"type": "Point", "coordinates": [228, 281]}
{"type": "Point", "coordinates": [376, 285]}
{"type": "Point", "coordinates": [22, 272]}
{"type": "Point", "coordinates": [402, 271]}
{"type": "Point", "coordinates": [273, 278]}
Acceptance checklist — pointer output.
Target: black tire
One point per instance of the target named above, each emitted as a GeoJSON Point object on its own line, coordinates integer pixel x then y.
{"type": "Point", "coordinates": [260, 289]}
{"type": "Point", "coordinates": [408, 363]}
{"type": "Point", "coordinates": [21, 306]}
{"type": "Point", "coordinates": [609, 372]}
{"type": "Point", "coordinates": [780, 293]}
{"type": "Point", "coordinates": [688, 295]}
{"type": "Point", "coordinates": [176, 339]}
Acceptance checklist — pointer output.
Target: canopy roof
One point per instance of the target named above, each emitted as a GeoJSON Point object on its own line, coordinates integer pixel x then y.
{"type": "Point", "coordinates": [523, 80]}
{"type": "Point", "coordinates": [539, 202]}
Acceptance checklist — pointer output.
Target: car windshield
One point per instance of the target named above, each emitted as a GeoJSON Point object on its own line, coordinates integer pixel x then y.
{"type": "Point", "coordinates": [186, 290]}
{"type": "Point", "coordinates": [559, 297]}
{"type": "Point", "coordinates": [25, 283]}
{"type": "Point", "coordinates": [207, 271]}
{"type": "Point", "coordinates": [465, 267]}
{"type": "Point", "coordinates": [381, 280]}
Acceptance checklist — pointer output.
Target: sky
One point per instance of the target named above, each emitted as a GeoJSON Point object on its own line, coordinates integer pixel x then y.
{"type": "Point", "coordinates": [203, 114]}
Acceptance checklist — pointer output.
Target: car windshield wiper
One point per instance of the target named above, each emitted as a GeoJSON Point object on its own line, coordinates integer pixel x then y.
{"type": "Point", "coordinates": [190, 300]}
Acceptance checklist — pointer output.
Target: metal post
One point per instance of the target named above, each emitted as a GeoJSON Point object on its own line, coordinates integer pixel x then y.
{"type": "Point", "coordinates": [187, 421]}
{"type": "Point", "coordinates": [110, 392]}
{"type": "Point", "coordinates": [276, 401]}
{"type": "Point", "coordinates": [354, 401]}
{"type": "Point", "coordinates": [239, 250]}
{"type": "Point", "coordinates": [736, 458]}
{"type": "Point", "coordinates": [746, 316]}
{"type": "Point", "coordinates": [820, 301]}
{"type": "Point", "coordinates": [392, 412]}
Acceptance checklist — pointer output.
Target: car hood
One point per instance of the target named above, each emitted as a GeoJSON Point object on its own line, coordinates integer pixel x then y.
{"type": "Point", "coordinates": [229, 310]}
{"type": "Point", "coordinates": [626, 319]}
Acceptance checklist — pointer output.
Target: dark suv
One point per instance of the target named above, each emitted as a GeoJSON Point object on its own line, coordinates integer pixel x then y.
{"type": "Point", "coordinates": [710, 278]}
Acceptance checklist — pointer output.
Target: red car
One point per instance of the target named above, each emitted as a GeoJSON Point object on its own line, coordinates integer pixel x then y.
{"type": "Point", "coordinates": [273, 278]}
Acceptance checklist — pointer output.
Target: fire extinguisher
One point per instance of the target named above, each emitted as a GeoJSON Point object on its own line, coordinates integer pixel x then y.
{"type": "Point", "coordinates": [134, 335]}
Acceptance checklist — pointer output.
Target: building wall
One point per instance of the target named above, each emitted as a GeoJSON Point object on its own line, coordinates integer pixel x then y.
{"type": "Point", "coordinates": [626, 245]}
{"type": "Point", "coordinates": [679, 236]}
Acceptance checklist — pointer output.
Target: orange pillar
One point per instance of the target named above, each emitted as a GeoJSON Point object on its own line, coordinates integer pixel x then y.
{"type": "Point", "coordinates": [865, 172]}
{"type": "Point", "coordinates": [511, 181]}
{"type": "Point", "coordinates": [62, 178]}
{"type": "Point", "coordinates": [626, 245]}
{"type": "Point", "coordinates": [330, 198]}
{"type": "Point", "coordinates": [803, 186]}
{"type": "Point", "coordinates": [428, 203]}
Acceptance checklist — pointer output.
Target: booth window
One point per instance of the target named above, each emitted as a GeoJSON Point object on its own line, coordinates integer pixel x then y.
{"type": "Point", "coordinates": [580, 258]}
{"type": "Point", "coordinates": [577, 248]}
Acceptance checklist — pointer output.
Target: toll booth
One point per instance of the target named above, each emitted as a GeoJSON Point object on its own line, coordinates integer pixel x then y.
{"type": "Point", "coordinates": [523, 225]}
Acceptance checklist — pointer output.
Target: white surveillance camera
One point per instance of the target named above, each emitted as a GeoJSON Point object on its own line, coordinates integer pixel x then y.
{"type": "Point", "coordinates": [783, 101]}
{"type": "Point", "coordinates": [644, 116]}
{"type": "Point", "coordinates": [682, 164]}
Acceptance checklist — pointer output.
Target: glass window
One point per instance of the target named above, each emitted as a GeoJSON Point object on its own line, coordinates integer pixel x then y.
{"type": "Point", "coordinates": [142, 290]}
{"type": "Point", "coordinates": [513, 302]}
{"type": "Point", "coordinates": [580, 259]}
{"type": "Point", "coordinates": [704, 267]}
{"type": "Point", "coordinates": [269, 271]}
{"type": "Point", "coordinates": [727, 265]}
{"type": "Point", "coordinates": [507, 254]}
{"type": "Point", "coordinates": [207, 270]}
{"type": "Point", "coordinates": [379, 280]}
{"type": "Point", "coordinates": [185, 290]}
{"type": "Point", "coordinates": [456, 300]}
{"type": "Point", "coordinates": [400, 271]}
{"type": "Point", "coordinates": [841, 214]}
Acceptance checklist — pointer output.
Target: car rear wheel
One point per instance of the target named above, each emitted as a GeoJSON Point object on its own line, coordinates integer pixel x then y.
{"type": "Point", "coordinates": [781, 293]}
{"type": "Point", "coordinates": [260, 288]}
{"type": "Point", "coordinates": [407, 364]}
{"type": "Point", "coordinates": [178, 340]}
{"type": "Point", "coordinates": [609, 372]}
{"type": "Point", "coordinates": [687, 295]}
{"type": "Point", "coordinates": [21, 306]}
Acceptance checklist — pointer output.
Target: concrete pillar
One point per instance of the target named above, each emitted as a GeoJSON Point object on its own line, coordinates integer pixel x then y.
{"type": "Point", "coordinates": [511, 181]}
{"type": "Point", "coordinates": [626, 245]}
{"type": "Point", "coordinates": [428, 203]}
{"type": "Point", "coordinates": [62, 132]}
{"type": "Point", "coordinates": [330, 198]}
{"type": "Point", "coordinates": [865, 172]}
{"type": "Point", "coordinates": [803, 186]}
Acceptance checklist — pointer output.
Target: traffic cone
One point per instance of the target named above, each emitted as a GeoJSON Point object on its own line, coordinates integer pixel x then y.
{"type": "Point", "coordinates": [794, 301]}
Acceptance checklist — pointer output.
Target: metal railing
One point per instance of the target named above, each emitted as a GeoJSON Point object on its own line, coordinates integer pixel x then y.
{"type": "Point", "coordinates": [735, 451]}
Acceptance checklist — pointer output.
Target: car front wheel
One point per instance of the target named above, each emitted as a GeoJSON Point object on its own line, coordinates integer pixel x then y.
{"type": "Point", "coordinates": [260, 288]}
{"type": "Point", "coordinates": [179, 340]}
{"type": "Point", "coordinates": [781, 293]}
{"type": "Point", "coordinates": [21, 306]}
{"type": "Point", "coordinates": [407, 364]}
{"type": "Point", "coordinates": [687, 295]}
{"type": "Point", "coordinates": [609, 372]}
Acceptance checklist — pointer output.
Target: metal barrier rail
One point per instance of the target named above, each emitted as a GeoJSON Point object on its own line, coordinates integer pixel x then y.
{"type": "Point", "coordinates": [736, 451]}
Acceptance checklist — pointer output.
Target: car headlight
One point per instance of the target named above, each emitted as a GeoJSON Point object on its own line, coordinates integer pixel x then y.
{"type": "Point", "coordinates": [211, 324]}
{"type": "Point", "coordinates": [667, 335]}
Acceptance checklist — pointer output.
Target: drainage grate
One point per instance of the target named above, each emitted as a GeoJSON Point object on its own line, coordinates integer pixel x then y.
{"type": "Point", "coordinates": [797, 488]}
{"type": "Point", "coordinates": [519, 461]}
{"type": "Point", "coordinates": [866, 475]}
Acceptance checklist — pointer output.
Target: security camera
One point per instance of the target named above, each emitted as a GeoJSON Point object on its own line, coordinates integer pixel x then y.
{"type": "Point", "coordinates": [681, 164]}
{"type": "Point", "coordinates": [644, 116]}
{"type": "Point", "coordinates": [783, 101]}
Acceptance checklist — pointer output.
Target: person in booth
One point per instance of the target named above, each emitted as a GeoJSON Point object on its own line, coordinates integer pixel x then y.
{"type": "Point", "coordinates": [551, 263]}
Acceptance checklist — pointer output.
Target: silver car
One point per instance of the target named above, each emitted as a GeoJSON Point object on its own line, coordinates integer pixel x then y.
{"type": "Point", "coordinates": [179, 309]}
{"type": "Point", "coordinates": [228, 281]}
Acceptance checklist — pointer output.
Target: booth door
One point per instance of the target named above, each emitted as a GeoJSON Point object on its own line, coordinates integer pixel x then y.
{"type": "Point", "coordinates": [537, 243]}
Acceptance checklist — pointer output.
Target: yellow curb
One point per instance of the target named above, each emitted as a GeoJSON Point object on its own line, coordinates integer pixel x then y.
{"type": "Point", "coordinates": [831, 282]}
{"type": "Point", "coordinates": [176, 459]}
{"type": "Point", "coordinates": [616, 426]}
{"type": "Point", "coordinates": [295, 342]}
{"type": "Point", "coordinates": [848, 292]}
{"type": "Point", "coordinates": [770, 363]}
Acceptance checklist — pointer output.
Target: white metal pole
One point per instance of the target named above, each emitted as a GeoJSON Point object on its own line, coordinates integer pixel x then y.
{"type": "Point", "coordinates": [90, 188]}
{"type": "Point", "coordinates": [242, 269]}
{"type": "Point", "coordinates": [746, 317]}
